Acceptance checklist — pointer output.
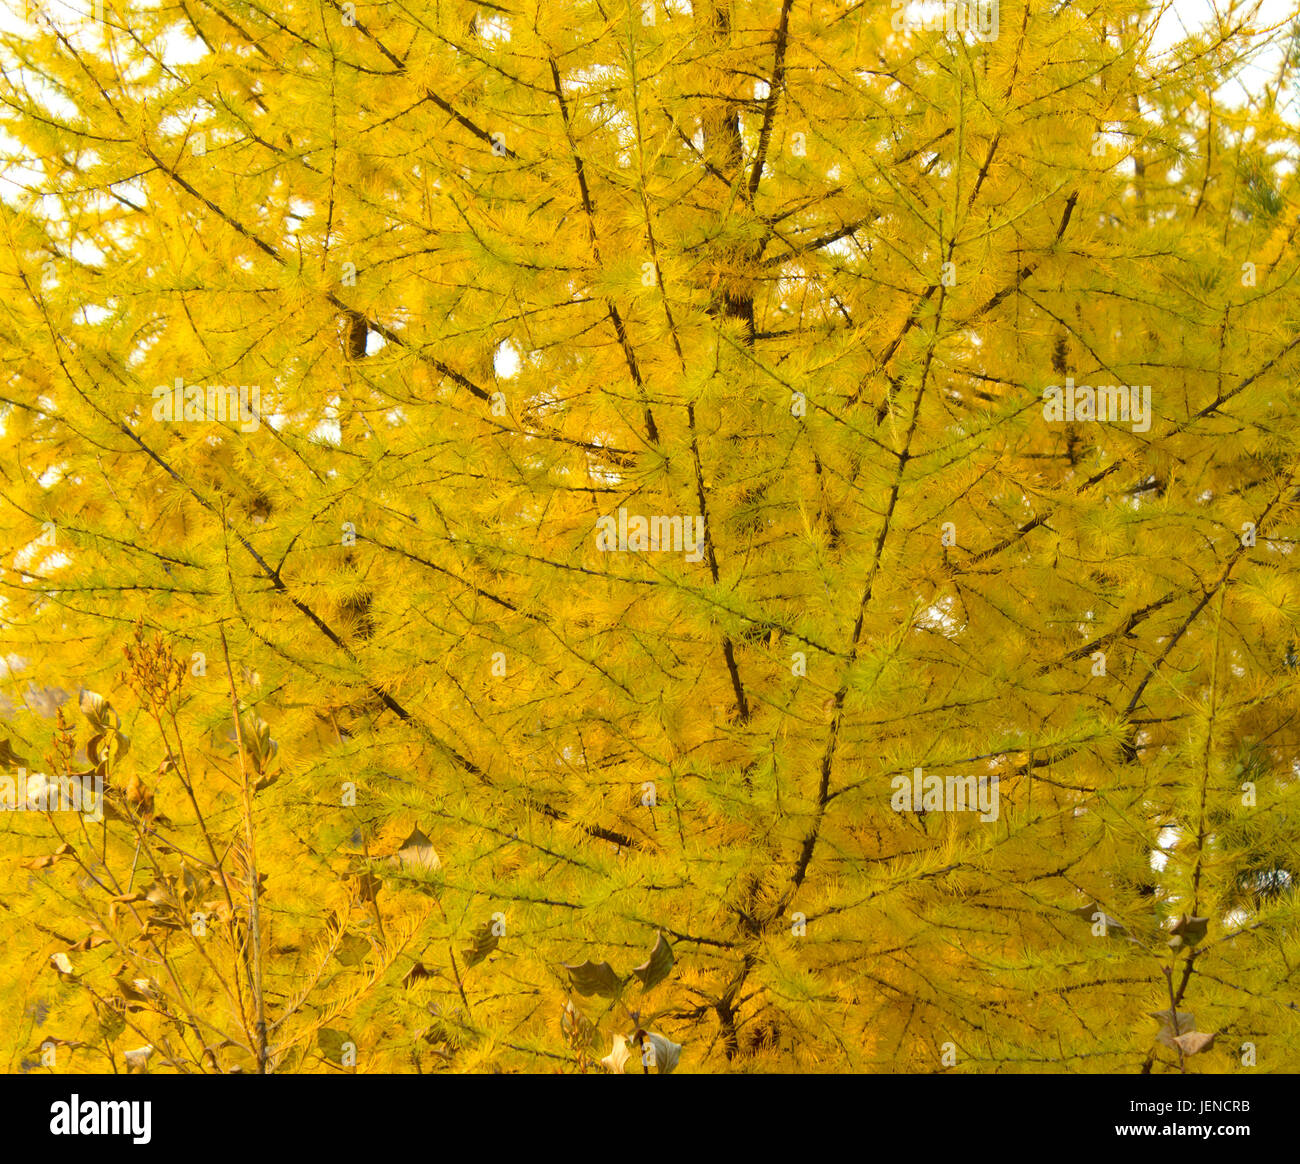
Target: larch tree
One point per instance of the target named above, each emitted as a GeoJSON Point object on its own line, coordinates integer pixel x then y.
{"type": "Point", "coordinates": [703, 536]}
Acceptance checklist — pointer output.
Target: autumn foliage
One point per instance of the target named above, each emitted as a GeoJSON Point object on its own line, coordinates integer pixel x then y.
{"type": "Point", "coordinates": [408, 767]}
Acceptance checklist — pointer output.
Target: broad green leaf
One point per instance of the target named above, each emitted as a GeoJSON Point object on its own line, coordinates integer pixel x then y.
{"type": "Point", "coordinates": [595, 978]}
{"type": "Point", "coordinates": [660, 1054]}
{"type": "Point", "coordinates": [484, 941]}
{"type": "Point", "coordinates": [658, 966]}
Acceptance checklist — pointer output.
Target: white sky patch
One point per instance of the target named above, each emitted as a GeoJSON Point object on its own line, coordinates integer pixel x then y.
{"type": "Point", "coordinates": [939, 617]}
{"type": "Point", "coordinates": [39, 549]}
{"type": "Point", "coordinates": [86, 252]}
{"type": "Point", "coordinates": [1178, 20]}
{"type": "Point", "coordinates": [174, 125]}
{"type": "Point", "coordinates": [328, 432]}
{"type": "Point", "coordinates": [1167, 839]}
{"type": "Point", "coordinates": [133, 190]}
{"type": "Point", "coordinates": [294, 219]}
{"type": "Point", "coordinates": [506, 362]}
{"type": "Point", "coordinates": [140, 352]}
{"type": "Point", "coordinates": [493, 30]}
{"type": "Point", "coordinates": [843, 248]}
{"type": "Point", "coordinates": [79, 20]}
